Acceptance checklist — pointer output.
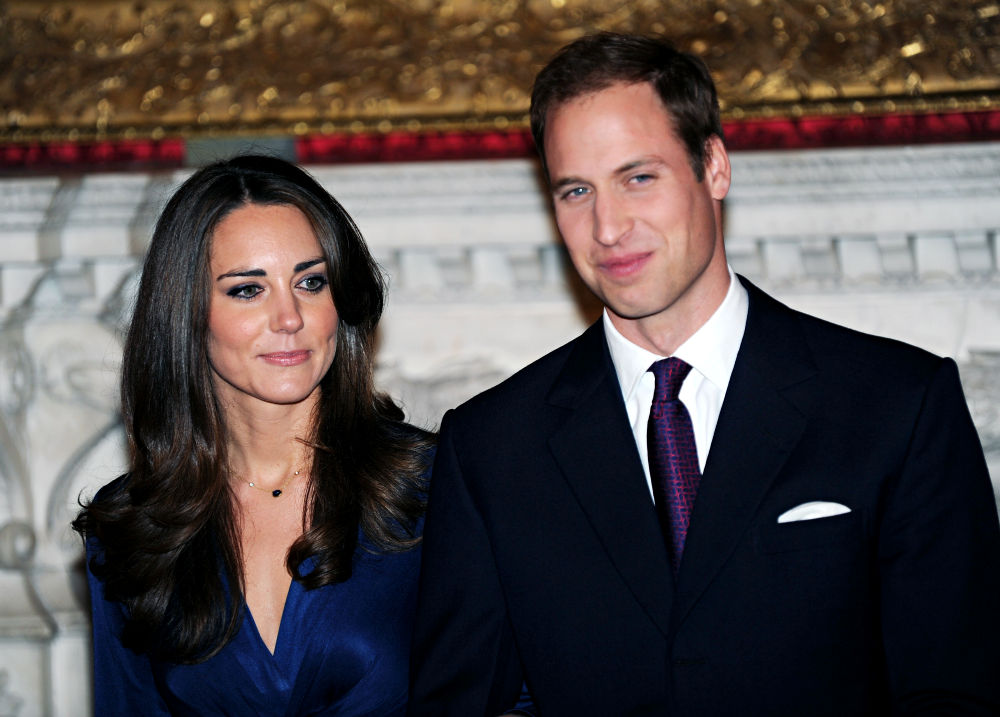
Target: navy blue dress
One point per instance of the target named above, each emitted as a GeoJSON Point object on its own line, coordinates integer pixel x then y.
{"type": "Point", "coordinates": [341, 650]}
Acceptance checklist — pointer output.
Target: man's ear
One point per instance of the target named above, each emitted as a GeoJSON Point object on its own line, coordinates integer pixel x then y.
{"type": "Point", "coordinates": [718, 173]}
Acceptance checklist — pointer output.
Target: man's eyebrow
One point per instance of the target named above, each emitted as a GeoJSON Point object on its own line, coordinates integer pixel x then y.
{"type": "Point", "coordinates": [648, 161]}
{"type": "Point", "coordinates": [565, 182]}
{"type": "Point", "coordinates": [623, 169]}
{"type": "Point", "coordinates": [629, 166]}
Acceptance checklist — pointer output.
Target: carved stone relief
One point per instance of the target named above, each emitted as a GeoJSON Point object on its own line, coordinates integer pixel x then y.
{"type": "Point", "coordinates": [10, 703]}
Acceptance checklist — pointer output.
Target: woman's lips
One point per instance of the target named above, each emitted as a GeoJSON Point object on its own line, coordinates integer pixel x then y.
{"type": "Point", "coordinates": [286, 358]}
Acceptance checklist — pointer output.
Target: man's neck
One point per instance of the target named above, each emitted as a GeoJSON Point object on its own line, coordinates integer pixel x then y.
{"type": "Point", "coordinates": [664, 332]}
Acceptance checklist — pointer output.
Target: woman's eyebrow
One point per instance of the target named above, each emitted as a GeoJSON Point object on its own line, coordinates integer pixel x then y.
{"type": "Point", "coordinates": [245, 272]}
{"type": "Point", "coordinates": [306, 264]}
{"type": "Point", "coordinates": [301, 266]}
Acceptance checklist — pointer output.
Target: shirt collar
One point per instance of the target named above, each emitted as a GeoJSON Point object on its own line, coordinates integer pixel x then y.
{"type": "Point", "coordinates": [711, 350]}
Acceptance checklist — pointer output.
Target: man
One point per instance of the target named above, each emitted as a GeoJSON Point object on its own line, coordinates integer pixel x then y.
{"type": "Point", "coordinates": [842, 553]}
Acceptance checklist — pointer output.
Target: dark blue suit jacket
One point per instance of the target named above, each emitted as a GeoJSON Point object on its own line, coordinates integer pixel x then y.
{"type": "Point", "coordinates": [543, 559]}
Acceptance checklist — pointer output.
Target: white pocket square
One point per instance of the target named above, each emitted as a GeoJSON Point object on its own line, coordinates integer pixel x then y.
{"type": "Point", "coordinates": [812, 510]}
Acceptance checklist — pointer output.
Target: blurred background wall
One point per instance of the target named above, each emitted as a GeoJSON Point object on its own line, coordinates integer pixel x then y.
{"type": "Point", "coordinates": [865, 140]}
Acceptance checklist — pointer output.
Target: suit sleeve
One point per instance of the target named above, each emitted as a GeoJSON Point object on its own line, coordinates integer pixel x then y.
{"type": "Point", "coordinates": [464, 662]}
{"type": "Point", "coordinates": [939, 557]}
{"type": "Point", "coordinates": [123, 680]}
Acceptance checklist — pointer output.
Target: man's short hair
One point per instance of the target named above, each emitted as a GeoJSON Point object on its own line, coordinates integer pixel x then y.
{"type": "Point", "coordinates": [595, 62]}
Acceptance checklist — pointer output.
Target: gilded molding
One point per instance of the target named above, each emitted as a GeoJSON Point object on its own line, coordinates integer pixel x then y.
{"type": "Point", "coordinates": [160, 68]}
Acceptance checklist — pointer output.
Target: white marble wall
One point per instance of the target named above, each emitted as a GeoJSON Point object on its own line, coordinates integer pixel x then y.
{"type": "Point", "coordinates": [897, 241]}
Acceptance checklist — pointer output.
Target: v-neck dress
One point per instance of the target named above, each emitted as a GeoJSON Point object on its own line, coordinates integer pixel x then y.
{"type": "Point", "coordinates": [341, 650]}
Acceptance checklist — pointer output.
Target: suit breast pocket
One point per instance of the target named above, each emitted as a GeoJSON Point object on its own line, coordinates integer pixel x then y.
{"type": "Point", "coordinates": [835, 532]}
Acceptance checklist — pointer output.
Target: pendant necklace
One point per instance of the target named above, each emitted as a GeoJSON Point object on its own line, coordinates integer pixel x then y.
{"type": "Point", "coordinates": [277, 491]}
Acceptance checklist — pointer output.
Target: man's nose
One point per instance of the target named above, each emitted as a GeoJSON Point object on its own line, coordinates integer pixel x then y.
{"type": "Point", "coordinates": [612, 220]}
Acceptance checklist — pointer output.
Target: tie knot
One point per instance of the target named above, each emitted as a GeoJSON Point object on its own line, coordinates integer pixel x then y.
{"type": "Point", "coordinates": [670, 374]}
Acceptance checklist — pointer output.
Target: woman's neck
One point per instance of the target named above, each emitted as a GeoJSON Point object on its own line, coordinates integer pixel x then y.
{"type": "Point", "coordinates": [270, 441]}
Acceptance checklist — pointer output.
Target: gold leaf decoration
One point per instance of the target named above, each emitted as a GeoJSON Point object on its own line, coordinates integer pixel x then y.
{"type": "Point", "coordinates": [155, 68]}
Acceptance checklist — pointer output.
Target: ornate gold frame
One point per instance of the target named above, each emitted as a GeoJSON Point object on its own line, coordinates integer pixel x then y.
{"type": "Point", "coordinates": [107, 69]}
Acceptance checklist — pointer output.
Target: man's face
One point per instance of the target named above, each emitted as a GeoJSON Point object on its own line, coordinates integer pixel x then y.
{"type": "Point", "coordinates": [642, 231]}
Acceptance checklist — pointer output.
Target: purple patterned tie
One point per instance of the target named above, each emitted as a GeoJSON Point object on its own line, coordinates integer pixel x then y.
{"type": "Point", "coordinates": [673, 458]}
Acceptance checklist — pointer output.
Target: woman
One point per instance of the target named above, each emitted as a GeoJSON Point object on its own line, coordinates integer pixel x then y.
{"type": "Point", "coordinates": [260, 555]}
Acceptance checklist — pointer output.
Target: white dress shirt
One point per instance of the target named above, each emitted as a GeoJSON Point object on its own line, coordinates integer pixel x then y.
{"type": "Point", "coordinates": [711, 353]}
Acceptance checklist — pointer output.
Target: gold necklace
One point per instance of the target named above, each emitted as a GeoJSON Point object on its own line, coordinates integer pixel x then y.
{"type": "Point", "coordinates": [276, 491]}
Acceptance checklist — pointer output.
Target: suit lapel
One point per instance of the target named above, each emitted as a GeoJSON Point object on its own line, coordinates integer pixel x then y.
{"type": "Point", "coordinates": [758, 428]}
{"type": "Point", "coordinates": [596, 451]}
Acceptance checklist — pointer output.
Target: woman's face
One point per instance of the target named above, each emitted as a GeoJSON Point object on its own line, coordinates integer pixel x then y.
{"type": "Point", "coordinates": [272, 325]}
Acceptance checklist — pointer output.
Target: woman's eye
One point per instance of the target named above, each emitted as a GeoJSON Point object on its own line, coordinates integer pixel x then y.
{"type": "Point", "coordinates": [244, 291]}
{"type": "Point", "coordinates": [314, 283]}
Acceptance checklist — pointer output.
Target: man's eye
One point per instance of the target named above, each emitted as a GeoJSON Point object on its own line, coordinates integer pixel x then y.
{"type": "Point", "coordinates": [575, 192]}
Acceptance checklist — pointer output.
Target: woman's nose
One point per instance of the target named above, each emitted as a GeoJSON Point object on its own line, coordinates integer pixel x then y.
{"type": "Point", "coordinates": [286, 316]}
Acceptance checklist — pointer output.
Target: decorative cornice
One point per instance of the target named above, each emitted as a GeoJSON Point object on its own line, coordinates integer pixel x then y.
{"type": "Point", "coordinates": [161, 68]}
{"type": "Point", "coordinates": [884, 194]}
{"type": "Point", "coordinates": [971, 170]}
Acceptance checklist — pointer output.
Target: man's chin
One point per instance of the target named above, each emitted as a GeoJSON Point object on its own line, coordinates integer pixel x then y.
{"type": "Point", "coordinates": [628, 312]}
